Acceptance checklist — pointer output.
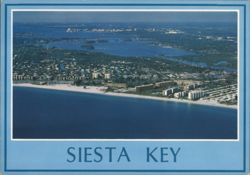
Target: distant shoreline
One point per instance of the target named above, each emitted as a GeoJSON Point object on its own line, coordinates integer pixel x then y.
{"type": "Point", "coordinates": [101, 90]}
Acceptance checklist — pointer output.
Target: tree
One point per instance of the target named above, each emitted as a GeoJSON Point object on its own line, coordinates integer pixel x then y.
{"type": "Point", "coordinates": [77, 82]}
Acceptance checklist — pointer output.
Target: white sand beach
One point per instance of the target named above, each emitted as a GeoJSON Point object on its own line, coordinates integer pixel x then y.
{"type": "Point", "coordinates": [101, 90]}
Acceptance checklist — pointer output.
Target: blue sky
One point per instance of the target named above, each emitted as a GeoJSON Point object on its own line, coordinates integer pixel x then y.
{"type": "Point", "coordinates": [78, 17]}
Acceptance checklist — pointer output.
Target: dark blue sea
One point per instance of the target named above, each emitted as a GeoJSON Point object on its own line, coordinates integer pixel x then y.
{"type": "Point", "coordinates": [41, 113]}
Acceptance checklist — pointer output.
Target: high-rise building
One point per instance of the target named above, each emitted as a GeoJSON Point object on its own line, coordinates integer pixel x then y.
{"type": "Point", "coordinates": [194, 95]}
{"type": "Point", "coordinates": [170, 91]}
{"type": "Point", "coordinates": [180, 94]}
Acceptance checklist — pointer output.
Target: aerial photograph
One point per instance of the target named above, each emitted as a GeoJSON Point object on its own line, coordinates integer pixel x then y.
{"type": "Point", "coordinates": [125, 75]}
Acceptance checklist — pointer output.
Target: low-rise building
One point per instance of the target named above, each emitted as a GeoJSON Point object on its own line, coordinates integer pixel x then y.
{"type": "Point", "coordinates": [95, 75]}
{"type": "Point", "coordinates": [189, 87]}
{"type": "Point", "coordinates": [107, 76]}
{"type": "Point", "coordinates": [165, 84]}
{"type": "Point", "coordinates": [116, 85]}
{"type": "Point", "coordinates": [142, 88]}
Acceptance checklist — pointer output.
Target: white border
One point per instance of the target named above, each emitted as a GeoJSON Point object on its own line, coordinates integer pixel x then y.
{"type": "Point", "coordinates": [130, 10]}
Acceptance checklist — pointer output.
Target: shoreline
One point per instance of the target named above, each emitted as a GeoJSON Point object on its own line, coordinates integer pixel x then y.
{"type": "Point", "coordinates": [101, 91]}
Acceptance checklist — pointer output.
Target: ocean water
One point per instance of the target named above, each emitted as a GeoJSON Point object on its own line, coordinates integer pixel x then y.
{"type": "Point", "coordinates": [41, 113]}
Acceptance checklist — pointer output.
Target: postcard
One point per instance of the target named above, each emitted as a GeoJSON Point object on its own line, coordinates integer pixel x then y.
{"type": "Point", "coordinates": [157, 87]}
